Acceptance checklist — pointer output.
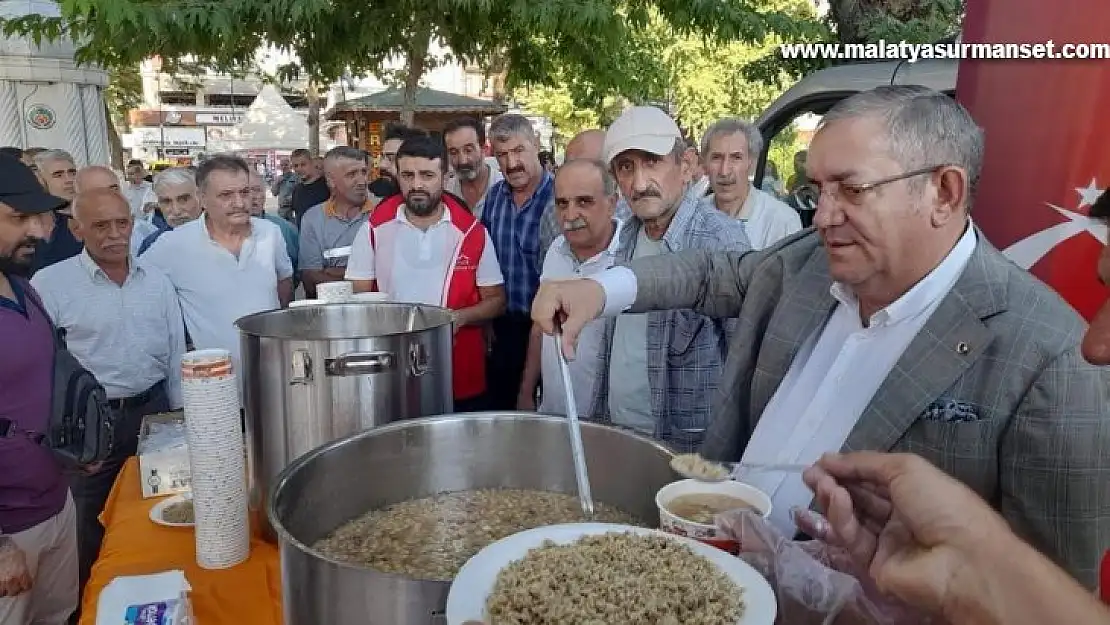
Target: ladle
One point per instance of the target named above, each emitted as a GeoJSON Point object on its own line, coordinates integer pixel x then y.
{"type": "Point", "coordinates": [578, 451]}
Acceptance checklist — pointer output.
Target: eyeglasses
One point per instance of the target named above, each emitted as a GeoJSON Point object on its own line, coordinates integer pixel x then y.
{"type": "Point", "coordinates": [854, 193]}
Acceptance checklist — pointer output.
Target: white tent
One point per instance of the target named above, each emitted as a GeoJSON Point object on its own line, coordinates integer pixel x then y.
{"type": "Point", "coordinates": [269, 124]}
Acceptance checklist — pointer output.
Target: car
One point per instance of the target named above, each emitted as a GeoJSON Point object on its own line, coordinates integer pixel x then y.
{"type": "Point", "coordinates": [816, 93]}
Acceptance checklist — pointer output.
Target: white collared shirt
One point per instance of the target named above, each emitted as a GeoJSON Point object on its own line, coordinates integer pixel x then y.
{"type": "Point", "coordinates": [216, 288]}
{"type": "Point", "coordinates": [422, 259]}
{"type": "Point", "coordinates": [835, 375]}
{"type": "Point", "coordinates": [562, 264]}
{"type": "Point", "coordinates": [766, 218]}
{"type": "Point", "coordinates": [129, 336]}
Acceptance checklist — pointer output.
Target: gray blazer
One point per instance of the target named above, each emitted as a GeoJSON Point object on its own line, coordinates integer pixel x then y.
{"type": "Point", "coordinates": [993, 389]}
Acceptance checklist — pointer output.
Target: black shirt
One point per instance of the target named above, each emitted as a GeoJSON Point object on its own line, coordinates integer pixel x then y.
{"type": "Point", "coordinates": [305, 196]}
{"type": "Point", "coordinates": [62, 245]}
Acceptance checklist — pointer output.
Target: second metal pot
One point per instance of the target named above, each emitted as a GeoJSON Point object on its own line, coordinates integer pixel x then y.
{"type": "Point", "coordinates": [316, 374]}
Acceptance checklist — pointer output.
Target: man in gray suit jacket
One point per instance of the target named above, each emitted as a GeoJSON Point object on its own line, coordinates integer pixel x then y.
{"type": "Point", "coordinates": [895, 326]}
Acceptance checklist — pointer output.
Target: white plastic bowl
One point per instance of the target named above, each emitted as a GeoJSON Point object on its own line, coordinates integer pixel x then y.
{"type": "Point", "coordinates": [704, 532]}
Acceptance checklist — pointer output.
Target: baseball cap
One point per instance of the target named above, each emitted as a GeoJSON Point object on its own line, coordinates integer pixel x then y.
{"type": "Point", "coordinates": [20, 189]}
{"type": "Point", "coordinates": [645, 128]}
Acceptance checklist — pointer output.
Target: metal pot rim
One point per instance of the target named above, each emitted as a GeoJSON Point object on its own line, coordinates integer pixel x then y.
{"type": "Point", "coordinates": [284, 536]}
{"type": "Point", "coordinates": [286, 336]}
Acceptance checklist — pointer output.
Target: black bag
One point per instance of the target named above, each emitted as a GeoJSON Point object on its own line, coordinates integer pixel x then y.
{"type": "Point", "coordinates": [82, 423]}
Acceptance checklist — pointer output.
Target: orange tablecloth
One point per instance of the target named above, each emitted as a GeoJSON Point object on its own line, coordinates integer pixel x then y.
{"type": "Point", "coordinates": [134, 545]}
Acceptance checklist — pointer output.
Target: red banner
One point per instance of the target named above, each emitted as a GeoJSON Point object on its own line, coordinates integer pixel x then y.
{"type": "Point", "coordinates": [1047, 125]}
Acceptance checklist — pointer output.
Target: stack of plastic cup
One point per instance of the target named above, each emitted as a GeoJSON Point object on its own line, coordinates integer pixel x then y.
{"type": "Point", "coordinates": [217, 458]}
{"type": "Point", "coordinates": [333, 292]}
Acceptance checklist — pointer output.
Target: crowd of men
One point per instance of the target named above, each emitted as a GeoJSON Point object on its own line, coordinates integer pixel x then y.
{"type": "Point", "coordinates": [724, 326]}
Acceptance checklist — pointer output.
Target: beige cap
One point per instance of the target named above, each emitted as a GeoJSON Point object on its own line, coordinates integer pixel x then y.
{"type": "Point", "coordinates": [645, 128]}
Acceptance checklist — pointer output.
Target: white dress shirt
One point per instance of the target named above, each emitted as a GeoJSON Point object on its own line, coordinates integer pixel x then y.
{"type": "Point", "coordinates": [216, 288]}
{"type": "Point", "coordinates": [832, 379]}
{"type": "Point", "coordinates": [130, 337]}
{"type": "Point", "coordinates": [561, 264]}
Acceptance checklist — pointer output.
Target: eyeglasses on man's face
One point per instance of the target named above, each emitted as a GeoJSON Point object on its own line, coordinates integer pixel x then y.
{"type": "Point", "coordinates": [854, 193]}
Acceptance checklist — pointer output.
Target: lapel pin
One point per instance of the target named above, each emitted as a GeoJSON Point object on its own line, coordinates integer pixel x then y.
{"type": "Point", "coordinates": [963, 348]}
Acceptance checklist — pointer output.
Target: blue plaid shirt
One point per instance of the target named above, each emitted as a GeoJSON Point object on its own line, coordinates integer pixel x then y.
{"type": "Point", "coordinates": [516, 238]}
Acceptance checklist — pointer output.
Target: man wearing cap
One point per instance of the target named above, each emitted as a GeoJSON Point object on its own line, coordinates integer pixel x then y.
{"type": "Point", "coordinates": [38, 537]}
{"type": "Point", "coordinates": [658, 369]}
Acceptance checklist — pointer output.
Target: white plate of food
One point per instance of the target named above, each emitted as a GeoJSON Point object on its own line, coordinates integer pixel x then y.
{"type": "Point", "coordinates": [498, 581]}
{"type": "Point", "coordinates": [176, 511]}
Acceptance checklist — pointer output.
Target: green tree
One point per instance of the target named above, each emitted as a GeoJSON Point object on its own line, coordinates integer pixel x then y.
{"type": "Point", "coordinates": [536, 41]}
{"type": "Point", "coordinates": [859, 21]}
{"type": "Point", "coordinates": [699, 78]}
{"type": "Point", "coordinates": [123, 93]}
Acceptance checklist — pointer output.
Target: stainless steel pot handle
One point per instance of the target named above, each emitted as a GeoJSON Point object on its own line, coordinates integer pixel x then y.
{"type": "Point", "coordinates": [418, 360]}
{"type": "Point", "coordinates": [359, 363]}
{"type": "Point", "coordinates": [302, 367]}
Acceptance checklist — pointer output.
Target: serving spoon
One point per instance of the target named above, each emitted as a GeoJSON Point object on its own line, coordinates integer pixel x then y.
{"type": "Point", "coordinates": [694, 467]}
{"type": "Point", "coordinates": [578, 451]}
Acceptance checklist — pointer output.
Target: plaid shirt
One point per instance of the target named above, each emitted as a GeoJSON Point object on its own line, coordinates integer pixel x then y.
{"type": "Point", "coordinates": [686, 351]}
{"type": "Point", "coordinates": [516, 238]}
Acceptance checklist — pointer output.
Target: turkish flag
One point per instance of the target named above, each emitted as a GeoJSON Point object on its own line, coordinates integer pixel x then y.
{"type": "Point", "coordinates": [1047, 125]}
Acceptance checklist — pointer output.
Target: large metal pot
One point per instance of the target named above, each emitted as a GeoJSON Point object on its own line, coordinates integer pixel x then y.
{"type": "Point", "coordinates": [315, 374]}
{"type": "Point", "coordinates": [342, 480]}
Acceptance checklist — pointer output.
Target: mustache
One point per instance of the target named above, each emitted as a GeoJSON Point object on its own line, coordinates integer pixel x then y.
{"type": "Point", "coordinates": [515, 170]}
{"type": "Point", "coordinates": [465, 167]}
{"type": "Point", "coordinates": [577, 223]}
{"type": "Point", "coordinates": [723, 180]}
{"type": "Point", "coordinates": [649, 192]}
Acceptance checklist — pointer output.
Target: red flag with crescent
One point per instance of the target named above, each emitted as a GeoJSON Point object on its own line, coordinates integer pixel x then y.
{"type": "Point", "coordinates": [1047, 125]}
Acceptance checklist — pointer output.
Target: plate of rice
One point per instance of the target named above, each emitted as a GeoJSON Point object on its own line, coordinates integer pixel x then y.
{"type": "Point", "coordinates": [607, 573]}
{"type": "Point", "coordinates": [176, 511]}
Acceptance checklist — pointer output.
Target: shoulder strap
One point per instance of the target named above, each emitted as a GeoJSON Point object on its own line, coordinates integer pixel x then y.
{"type": "Point", "coordinates": [31, 296]}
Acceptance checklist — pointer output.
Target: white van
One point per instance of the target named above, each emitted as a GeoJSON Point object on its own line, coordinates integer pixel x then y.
{"type": "Point", "coordinates": [818, 92]}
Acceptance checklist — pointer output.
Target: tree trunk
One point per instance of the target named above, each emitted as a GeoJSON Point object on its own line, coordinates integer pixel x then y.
{"type": "Point", "coordinates": [416, 60]}
{"type": "Point", "coordinates": [115, 144]}
{"type": "Point", "coordinates": [313, 97]}
{"type": "Point", "coordinates": [496, 73]}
